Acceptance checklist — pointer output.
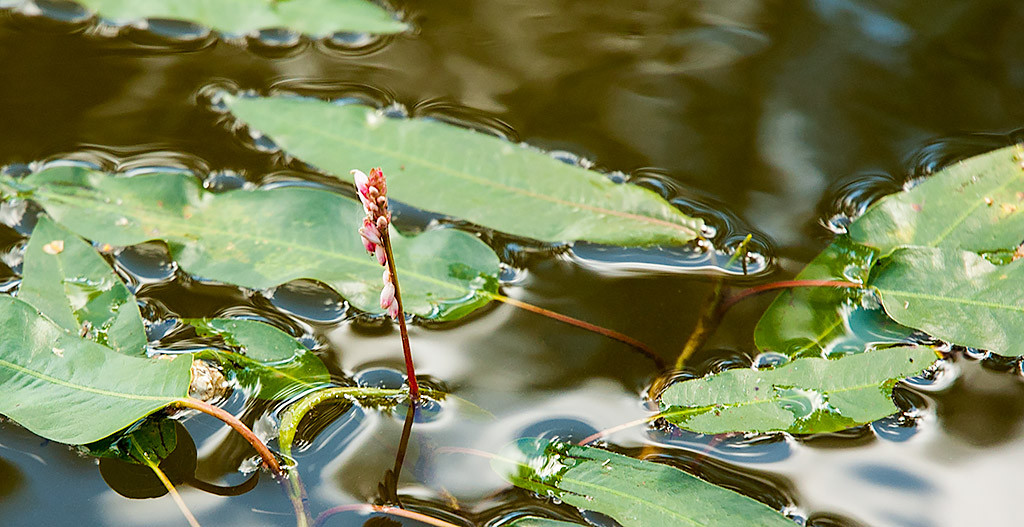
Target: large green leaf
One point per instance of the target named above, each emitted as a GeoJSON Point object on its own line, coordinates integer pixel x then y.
{"type": "Point", "coordinates": [72, 390]}
{"type": "Point", "coordinates": [470, 175]}
{"type": "Point", "coordinates": [957, 296]}
{"type": "Point", "coordinates": [634, 493]}
{"type": "Point", "coordinates": [313, 17]}
{"type": "Point", "coordinates": [69, 282]}
{"type": "Point", "coordinates": [267, 359]}
{"type": "Point", "coordinates": [806, 396]}
{"type": "Point", "coordinates": [265, 237]}
{"type": "Point", "coordinates": [975, 205]}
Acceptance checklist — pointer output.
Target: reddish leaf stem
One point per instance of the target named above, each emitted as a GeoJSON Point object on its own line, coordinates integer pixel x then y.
{"type": "Point", "coordinates": [785, 284]}
{"type": "Point", "coordinates": [615, 335]}
{"type": "Point", "coordinates": [229, 419]}
{"type": "Point", "coordinates": [384, 509]}
{"type": "Point", "coordinates": [414, 387]}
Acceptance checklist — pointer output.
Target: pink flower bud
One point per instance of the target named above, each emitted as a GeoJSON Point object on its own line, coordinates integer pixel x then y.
{"type": "Point", "coordinates": [382, 223]}
{"type": "Point", "coordinates": [382, 257]}
{"type": "Point", "coordinates": [393, 311]}
{"type": "Point", "coordinates": [369, 231]}
{"type": "Point", "coordinates": [362, 182]}
{"type": "Point", "coordinates": [377, 179]}
{"type": "Point", "coordinates": [387, 295]}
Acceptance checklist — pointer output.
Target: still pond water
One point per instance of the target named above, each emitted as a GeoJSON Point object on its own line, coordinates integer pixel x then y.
{"type": "Point", "coordinates": [760, 116]}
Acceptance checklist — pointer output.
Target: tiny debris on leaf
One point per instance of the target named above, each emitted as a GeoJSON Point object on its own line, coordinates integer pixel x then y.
{"type": "Point", "coordinates": [54, 247]}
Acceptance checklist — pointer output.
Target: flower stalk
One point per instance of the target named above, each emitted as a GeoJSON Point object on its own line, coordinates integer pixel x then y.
{"type": "Point", "coordinates": [376, 236]}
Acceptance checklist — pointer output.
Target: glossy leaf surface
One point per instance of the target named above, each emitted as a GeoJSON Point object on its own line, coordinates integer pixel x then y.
{"type": "Point", "coordinates": [957, 296]}
{"type": "Point", "coordinates": [806, 396]}
{"type": "Point", "coordinates": [69, 282]}
{"type": "Point", "coordinates": [312, 17]}
{"type": "Point", "coordinates": [975, 205]}
{"type": "Point", "coordinates": [264, 357]}
{"type": "Point", "coordinates": [72, 390]}
{"type": "Point", "coordinates": [808, 321]}
{"type": "Point", "coordinates": [634, 493]}
{"type": "Point", "coordinates": [265, 237]}
{"type": "Point", "coordinates": [469, 175]}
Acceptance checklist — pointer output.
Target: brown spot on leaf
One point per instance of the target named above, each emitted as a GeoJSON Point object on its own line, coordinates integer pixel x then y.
{"type": "Point", "coordinates": [988, 201]}
{"type": "Point", "coordinates": [916, 207]}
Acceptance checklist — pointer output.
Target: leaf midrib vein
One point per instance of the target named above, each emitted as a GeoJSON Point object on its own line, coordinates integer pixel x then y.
{"type": "Point", "coordinates": [951, 300]}
{"type": "Point", "coordinates": [60, 382]}
{"type": "Point", "coordinates": [485, 182]}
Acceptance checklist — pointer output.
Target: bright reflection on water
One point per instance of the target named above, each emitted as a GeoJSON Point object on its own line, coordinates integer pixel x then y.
{"type": "Point", "coordinates": [774, 118]}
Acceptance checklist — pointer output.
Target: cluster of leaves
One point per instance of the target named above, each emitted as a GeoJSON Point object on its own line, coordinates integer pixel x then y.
{"type": "Point", "coordinates": [940, 257]}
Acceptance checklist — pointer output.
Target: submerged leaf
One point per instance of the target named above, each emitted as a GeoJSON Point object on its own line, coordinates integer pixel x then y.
{"type": "Point", "coordinates": [72, 390]}
{"type": "Point", "coordinates": [634, 493]}
{"type": "Point", "coordinates": [470, 175]}
{"type": "Point", "coordinates": [156, 437]}
{"type": "Point", "coordinates": [78, 290]}
{"type": "Point", "coordinates": [806, 396]}
{"type": "Point", "coordinates": [266, 237]}
{"type": "Point", "coordinates": [976, 205]}
{"type": "Point", "coordinates": [268, 359]}
{"type": "Point", "coordinates": [957, 296]}
{"type": "Point", "coordinates": [816, 321]}
{"type": "Point", "coordinates": [313, 17]}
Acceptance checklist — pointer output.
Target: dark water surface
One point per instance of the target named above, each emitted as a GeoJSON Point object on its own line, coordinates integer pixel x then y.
{"type": "Point", "coordinates": [757, 114]}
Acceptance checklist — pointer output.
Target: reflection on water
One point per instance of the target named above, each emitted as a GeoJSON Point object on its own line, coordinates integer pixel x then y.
{"type": "Point", "coordinates": [757, 115]}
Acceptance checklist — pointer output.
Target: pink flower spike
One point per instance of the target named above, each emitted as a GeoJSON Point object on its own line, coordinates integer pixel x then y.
{"type": "Point", "coordinates": [382, 257]}
{"type": "Point", "coordinates": [387, 296]}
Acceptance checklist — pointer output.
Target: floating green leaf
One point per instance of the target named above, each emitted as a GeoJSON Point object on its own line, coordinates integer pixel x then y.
{"type": "Point", "coordinates": [268, 359]}
{"type": "Point", "coordinates": [312, 17]}
{"type": "Point", "coordinates": [72, 390]}
{"type": "Point", "coordinates": [634, 493]}
{"type": "Point", "coordinates": [806, 396]}
{"type": "Point", "coordinates": [975, 205]}
{"type": "Point", "coordinates": [470, 175]}
{"type": "Point", "coordinates": [292, 417]}
{"type": "Point", "coordinates": [265, 237]}
{"type": "Point", "coordinates": [957, 296]}
{"type": "Point", "coordinates": [69, 282]}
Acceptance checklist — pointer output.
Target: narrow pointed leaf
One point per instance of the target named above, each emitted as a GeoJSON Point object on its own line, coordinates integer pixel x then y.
{"type": "Point", "coordinates": [312, 17]}
{"type": "Point", "coordinates": [273, 362]}
{"type": "Point", "coordinates": [806, 396]}
{"type": "Point", "coordinates": [72, 390]}
{"type": "Point", "coordinates": [632, 492]}
{"type": "Point", "coordinates": [975, 205]}
{"type": "Point", "coordinates": [69, 282]}
{"type": "Point", "coordinates": [265, 237]}
{"type": "Point", "coordinates": [470, 175]}
{"type": "Point", "coordinates": [957, 296]}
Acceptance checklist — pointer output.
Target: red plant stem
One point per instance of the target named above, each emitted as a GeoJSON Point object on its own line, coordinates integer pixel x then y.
{"type": "Point", "coordinates": [615, 335]}
{"type": "Point", "coordinates": [414, 387]}
{"type": "Point", "coordinates": [785, 284]}
{"type": "Point", "coordinates": [229, 419]}
{"type": "Point", "coordinates": [384, 509]}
